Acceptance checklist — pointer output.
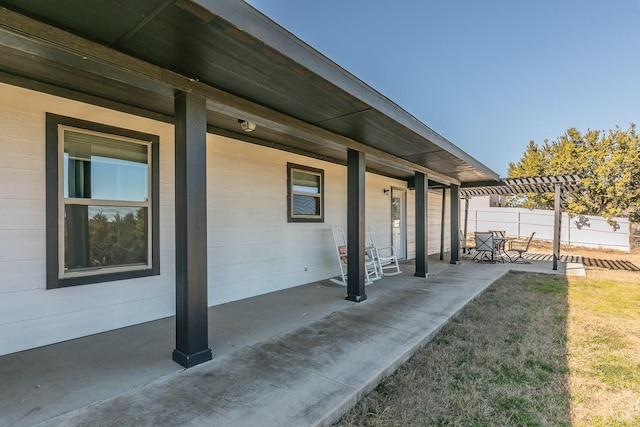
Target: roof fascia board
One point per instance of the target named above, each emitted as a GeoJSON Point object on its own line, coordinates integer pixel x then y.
{"type": "Point", "coordinates": [473, 184]}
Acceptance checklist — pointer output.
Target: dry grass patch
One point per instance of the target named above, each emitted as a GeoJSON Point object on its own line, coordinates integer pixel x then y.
{"type": "Point", "coordinates": [604, 348]}
{"type": "Point", "coordinates": [604, 341]}
{"type": "Point", "coordinates": [502, 361]}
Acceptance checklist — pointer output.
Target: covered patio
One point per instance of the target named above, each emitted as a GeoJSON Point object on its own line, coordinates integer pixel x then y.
{"type": "Point", "coordinates": [204, 69]}
{"type": "Point", "coordinates": [301, 356]}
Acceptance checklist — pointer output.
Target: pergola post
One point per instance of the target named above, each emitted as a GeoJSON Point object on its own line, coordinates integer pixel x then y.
{"type": "Point", "coordinates": [557, 226]}
{"type": "Point", "coordinates": [356, 274]}
{"type": "Point", "coordinates": [192, 335]}
{"type": "Point", "coordinates": [421, 182]}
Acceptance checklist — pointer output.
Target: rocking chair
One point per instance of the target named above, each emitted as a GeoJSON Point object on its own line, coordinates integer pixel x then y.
{"type": "Point", "coordinates": [340, 240]}
{"type": "Point", "coordinates": [386, 258]}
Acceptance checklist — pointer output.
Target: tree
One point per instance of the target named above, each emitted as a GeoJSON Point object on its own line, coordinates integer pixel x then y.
{"type": "Point", "coordinates": [117, 239]}
{"type": "Point", "coordinates": [101, 240]}
{"type": "Point", "coordinates": [608, 164]}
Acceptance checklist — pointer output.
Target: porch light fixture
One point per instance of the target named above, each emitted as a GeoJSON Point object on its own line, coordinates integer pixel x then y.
{"type": "Point", "coordinates": [385, 190]}
{"type": "Point", "coordinates": [247, 126]}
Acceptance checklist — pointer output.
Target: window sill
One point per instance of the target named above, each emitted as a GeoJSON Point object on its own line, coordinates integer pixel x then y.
{"type": "Point", "coordinates": [86, 279]}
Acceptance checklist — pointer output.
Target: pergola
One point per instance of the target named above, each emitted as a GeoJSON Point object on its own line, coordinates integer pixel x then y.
{"type": "Point", "coordinates": [558, 184]}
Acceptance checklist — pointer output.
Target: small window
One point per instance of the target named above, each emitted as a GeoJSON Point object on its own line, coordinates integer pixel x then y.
{"type": "Point", "coordinates": [102, 197]}
{"type": "Point", "coordinates": [305, 194]}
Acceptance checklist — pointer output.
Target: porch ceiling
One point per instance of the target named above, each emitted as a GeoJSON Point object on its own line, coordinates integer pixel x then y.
{"type": "Point", "coordinates": [137, 54]}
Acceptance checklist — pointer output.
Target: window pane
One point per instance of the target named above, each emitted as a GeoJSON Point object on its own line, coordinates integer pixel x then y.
{"type": "Point", "coordinates": [306, 205]}
{"type": "Point", "coordinates": [305, 194]}
{"type": "Point", "coordinates": [104, 236]}
{"type": "Point", "coordinates": [104, 168]}
{"type": "Point", "coordinates": [306, 182]}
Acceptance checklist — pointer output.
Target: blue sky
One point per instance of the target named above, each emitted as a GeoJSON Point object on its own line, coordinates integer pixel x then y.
{"type": "Point", "coordinates": [488, 75]}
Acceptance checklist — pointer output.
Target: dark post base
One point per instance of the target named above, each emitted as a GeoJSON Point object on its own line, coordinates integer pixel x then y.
{"type": "Point", "coordinates": [192, 360]}
{"type": "Point", "coordinates": [421, 274]}
{"type": "Point", "coordinates": [356, 298]}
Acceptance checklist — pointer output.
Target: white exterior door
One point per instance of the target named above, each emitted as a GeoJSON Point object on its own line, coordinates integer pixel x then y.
{"type": "Point", "coordinates": [398, 221]}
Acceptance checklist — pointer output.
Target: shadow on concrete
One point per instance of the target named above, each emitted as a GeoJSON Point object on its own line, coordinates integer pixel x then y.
{"type": "Point", "coordinates": [607, 264]}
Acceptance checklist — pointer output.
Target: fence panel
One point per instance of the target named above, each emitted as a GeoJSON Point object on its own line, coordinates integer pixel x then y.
{"type": "Point", "coordinates": [634, 235]}
{"type": "Point", "coordinates": [589, 231]}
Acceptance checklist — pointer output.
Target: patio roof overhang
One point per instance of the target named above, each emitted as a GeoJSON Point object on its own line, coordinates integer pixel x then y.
{"type": "Point", "coordinates": [134, 56]}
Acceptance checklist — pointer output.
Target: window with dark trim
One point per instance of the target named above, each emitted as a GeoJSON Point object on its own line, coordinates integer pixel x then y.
{"type": "Point", "coordinates": [305, 194]}
{"type": "Point", "coordinates": [102, 203]}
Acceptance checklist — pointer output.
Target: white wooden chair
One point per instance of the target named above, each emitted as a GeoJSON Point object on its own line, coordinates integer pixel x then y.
{"type": "Point", "coordinates": [340, 240]}
{"type": "Point", "coordinates": [386, 258]}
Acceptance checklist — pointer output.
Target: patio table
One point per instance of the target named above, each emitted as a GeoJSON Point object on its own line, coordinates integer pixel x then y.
{"type": "Point", "coordinates": [499, 243]}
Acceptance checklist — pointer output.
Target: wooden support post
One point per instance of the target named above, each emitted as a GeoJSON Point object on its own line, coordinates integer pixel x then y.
{"type": "Point", "coordinates": [442, 212]}
{"type": "Point", "coordinates": [466, 215]}
{"type": "Point", "coordinates": [454, 195]}
{"type": "Point", "coordinates": [356, 274]}
{"type": "Point", "coordinates": [557, 227]}
{"type": "Point", "coordinates": [421, 225]}
{"type": "Point", "coordinates": [192, 346]}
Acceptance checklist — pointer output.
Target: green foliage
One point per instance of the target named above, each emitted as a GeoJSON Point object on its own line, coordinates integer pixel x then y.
{"type": "Point", "coordinates": [608, 164]}
{"type": "Point", "coordinates": [118, 241]}
{"type": "Point", "coordinates": [383, 389]}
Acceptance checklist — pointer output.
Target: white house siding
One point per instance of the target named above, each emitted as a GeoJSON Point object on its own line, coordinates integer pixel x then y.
{"type": "Point", "coordinates": [411, 224]}
{"type": "Point", "coordinates": [31, 315]}
{"type": "Point", "coordinates": [252, 249]}
{"type": "Point", "coordinates": [434, 212]}
{"type": "Point", "coordinates": [435, 221]}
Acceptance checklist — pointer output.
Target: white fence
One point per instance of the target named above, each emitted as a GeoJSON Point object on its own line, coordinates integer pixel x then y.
{"type": "Point", "coordinates": [588, 231]}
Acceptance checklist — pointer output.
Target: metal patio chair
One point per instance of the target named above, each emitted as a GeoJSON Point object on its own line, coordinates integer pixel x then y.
{"type": "Point", "coordinates": [385, 258]}
{"type": "Point", "coordinates": [521, 248]}
{"type": "Point", "coordinates": [340, 240]}
{"type": "Point", "coordinates": [485, 246]}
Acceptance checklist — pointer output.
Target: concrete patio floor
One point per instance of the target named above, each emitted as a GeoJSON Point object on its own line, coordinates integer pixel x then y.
{"type": "Point", "coordinates": [297, 357]}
